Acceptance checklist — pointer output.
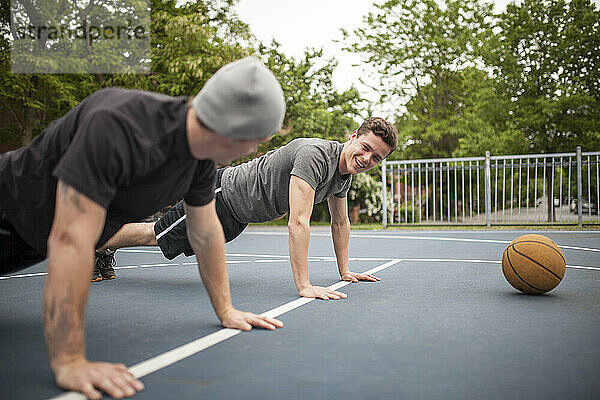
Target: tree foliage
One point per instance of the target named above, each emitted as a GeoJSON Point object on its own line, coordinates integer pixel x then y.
{"type": "Point", "coordinates": [468, 81]}
{"type": "Point", "coordinates": [314, 108]}
{"type": "Point", "coordinates": [420, 49]}
{"type": "Point", "coordinates": [189, 43]}
{"type": "Point", "coordinates": [547, 61]}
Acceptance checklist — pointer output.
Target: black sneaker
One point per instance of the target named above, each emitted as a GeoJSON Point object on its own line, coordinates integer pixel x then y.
{"type": "Point", "coordinates": [96, 276]}
{"type": "Point", "coordinates": [104, 262]}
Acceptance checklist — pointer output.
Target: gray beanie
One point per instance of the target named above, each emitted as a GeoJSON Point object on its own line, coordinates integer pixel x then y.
{"type": "Point", "coordinates": [242, 100]}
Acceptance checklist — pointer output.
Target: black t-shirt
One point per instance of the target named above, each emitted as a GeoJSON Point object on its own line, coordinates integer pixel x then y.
{"type": "Point", "coordinates": [125, 149]}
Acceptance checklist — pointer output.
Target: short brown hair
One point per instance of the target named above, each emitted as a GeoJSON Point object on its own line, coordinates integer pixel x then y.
{"type": "Point", "coordinates": [382, 128]}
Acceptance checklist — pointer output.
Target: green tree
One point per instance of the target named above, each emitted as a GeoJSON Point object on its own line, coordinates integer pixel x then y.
{"type": "Point", "coordinates": [473, 119]}
{"type": "Point", "coordinates": [189, 43]}
{"type": "Point", "coordinates": [314, 108]}
{"type": "Point", "coordinates": [419, 48]}
{"type": "Point", "coordinates": [28, 102]}
{"type": "Point", "coordinates": [482, 118]}
{"type": "Point", "coordinates": [547, 62]}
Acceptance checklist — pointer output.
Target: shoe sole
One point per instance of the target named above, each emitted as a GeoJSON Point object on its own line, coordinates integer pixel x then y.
{"type": "Point", "coordinates": [109, 278]}
{"type": "Point", "coordinates": [96, 280]}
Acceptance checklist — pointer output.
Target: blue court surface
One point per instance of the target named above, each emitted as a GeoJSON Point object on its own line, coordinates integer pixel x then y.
{"type": "Point", "coordinates": [442, 323]}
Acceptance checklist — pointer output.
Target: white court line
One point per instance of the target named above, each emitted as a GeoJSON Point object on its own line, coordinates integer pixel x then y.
{"type": "Point", "coordinates": [22, 275]}
{"type": "Point", "coordinates": [464, 240]}
{"type": "Point", "coordinates": [309, 258]}
{"type": "Point", "coordinates": [194, 263]}
{"type": "Point", "coordinates": [172, 356]}
{"type": "Point", "coordinates": [438, 238]}
{"type": "Point", "coordinates": [139, 251]}
{"type": "Point", "coordinates": [158, 265]}
{"type": "Point", "coordinates": [123, 267]}
{"type": "Point", "coordinates": [485, 261]}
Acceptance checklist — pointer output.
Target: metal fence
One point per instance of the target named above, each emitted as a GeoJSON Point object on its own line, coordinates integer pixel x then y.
{"type": "Point", "coordinates": [493, 190]}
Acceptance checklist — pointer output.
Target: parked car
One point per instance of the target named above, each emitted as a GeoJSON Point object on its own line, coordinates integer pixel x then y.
{"type": "Point", "coordinates": [587, 207]}
{"type": "Point", "coordinates": [544, 200]}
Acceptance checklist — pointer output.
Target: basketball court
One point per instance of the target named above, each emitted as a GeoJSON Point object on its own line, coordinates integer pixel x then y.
{"type": "Point", "coordinates": [442, 323]}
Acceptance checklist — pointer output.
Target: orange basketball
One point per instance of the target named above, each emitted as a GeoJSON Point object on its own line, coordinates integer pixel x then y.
{"type": "Point", "coordinates": [533, 264]}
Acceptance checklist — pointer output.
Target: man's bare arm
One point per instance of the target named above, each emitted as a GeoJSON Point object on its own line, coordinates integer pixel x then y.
{"type": "Point", "coordinates": [301, 200]}
{"type": "Point", "coordinates": [77, 224]}
{"type": "Point", "coordinates": [205, 235]}
{"type": "Point", "coordinates": [340, 233]}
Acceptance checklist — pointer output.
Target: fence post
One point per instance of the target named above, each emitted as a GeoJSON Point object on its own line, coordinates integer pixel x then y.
{"type": "Point", "coordinates": [579, 190]}
{"type": "Point", "coordinates": [488, 189]}
{"type": "Point", "coordinates": [384, 194]}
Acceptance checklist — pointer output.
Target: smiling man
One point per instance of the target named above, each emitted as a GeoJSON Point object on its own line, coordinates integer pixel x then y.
{"type": "Point", "coordinates": [291, 180]}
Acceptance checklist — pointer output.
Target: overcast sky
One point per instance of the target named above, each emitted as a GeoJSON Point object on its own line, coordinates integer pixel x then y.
{"type": "Point", "coordinates": [312, 23]}
{"type": "Point", "coordinates": [297, 25]}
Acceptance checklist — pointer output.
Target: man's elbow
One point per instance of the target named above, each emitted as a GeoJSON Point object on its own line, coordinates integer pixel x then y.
{"type": "Point", "coordinates": [58, 239]}
{"type": "Point", "coordinates": [202, 239]}
{"type": "Point", "coordinates": [66, 243]}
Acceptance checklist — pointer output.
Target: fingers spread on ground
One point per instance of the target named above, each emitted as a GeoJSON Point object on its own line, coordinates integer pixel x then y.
{"type": "Point", "coordinates": [245, 326]}
{"type": "Point", "coordinates": [262, 323]}
{"type": "Point", "coordinates": [124, 385]}
{"type": "Point", "coordinates": [275, 322]}
{"type": "Point", "coordinates": [91, 393]}
{"type": "Point", "coordinates": [135, 383]}
{"type": "Point", "coordinates": [107, 386]}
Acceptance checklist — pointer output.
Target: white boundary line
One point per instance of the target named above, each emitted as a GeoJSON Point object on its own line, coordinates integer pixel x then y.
{"type": "Point", "coordinates": [140, 251]}
{"type": "Point", "coordinates": [323, 259]}
{"type": "Point", "coordinates": [125, 267]}
{"type": "Point", "coordinates": [438, 238]}
{"type": "Point", "coordinates": [175, 355]}
{"type": "Point", "coordinates": [484, 261]}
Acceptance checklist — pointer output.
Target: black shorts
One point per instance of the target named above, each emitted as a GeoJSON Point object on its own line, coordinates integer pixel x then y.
{"type": "Point", "coordinates": [171, 232]}
{"type": "Point", "coordinates": [15, 253]}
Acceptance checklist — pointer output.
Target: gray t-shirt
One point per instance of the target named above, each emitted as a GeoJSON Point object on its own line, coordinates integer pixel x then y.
{"type": "Point", "coordinates": [258, 191]}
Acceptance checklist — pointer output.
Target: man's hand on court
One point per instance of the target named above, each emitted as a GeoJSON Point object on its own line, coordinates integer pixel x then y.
{"type": "Point", "coordinates": [87, 377]}
{"type": "Point", "coordinates": [319, 292]}
{"type": "Point", "coordinates": [244, 321]}
{"type": "Point", "coordinates": [355, 277]}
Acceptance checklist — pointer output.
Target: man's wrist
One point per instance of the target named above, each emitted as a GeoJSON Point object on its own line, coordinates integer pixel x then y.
{"type": "Point", "coordinates": [222, 314]}
{"type": "Point", "coordinates": [303, 286]}
{"type": "Point", "coordinates": [58, 362]}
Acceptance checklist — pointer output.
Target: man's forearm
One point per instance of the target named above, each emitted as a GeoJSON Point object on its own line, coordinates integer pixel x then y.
{"type": "Point", "coordinates": [340, 233]}
{"type": "Point", "coordinates": [65, 297]}
{"type": "Point", "coordinates": [299, 238]}
{"type": "Point", "coordinates": [210, 255]}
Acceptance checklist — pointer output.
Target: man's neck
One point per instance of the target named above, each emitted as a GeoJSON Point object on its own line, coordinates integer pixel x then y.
{"type": "Point", "coordinates": [196, 136]}
{"type": "Point", "coordinates": [342, 161]}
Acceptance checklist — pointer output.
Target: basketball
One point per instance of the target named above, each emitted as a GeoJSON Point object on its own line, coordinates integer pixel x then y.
{"type": "Point", "coordinates": [533, 264]}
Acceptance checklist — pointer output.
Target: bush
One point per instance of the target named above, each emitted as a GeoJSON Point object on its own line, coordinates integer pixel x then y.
{"type": "Point", "coordinates": [365, 192]}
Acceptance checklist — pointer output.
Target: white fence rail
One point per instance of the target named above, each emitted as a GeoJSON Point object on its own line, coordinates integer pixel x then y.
{"type": "Point", "coordinates": [493, 190]}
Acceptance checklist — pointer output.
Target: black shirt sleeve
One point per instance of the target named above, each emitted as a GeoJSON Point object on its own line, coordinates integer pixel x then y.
{"type": "Point", "coordinates": [100, 157]}
{"type": "Point", "coordinates": [202, 189]}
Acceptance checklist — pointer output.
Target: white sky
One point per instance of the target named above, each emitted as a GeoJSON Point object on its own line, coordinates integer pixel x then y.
{"type": "Point", "coordinates": [297, 25]}
{"type": "Point", "coordinates": [312, 23]}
